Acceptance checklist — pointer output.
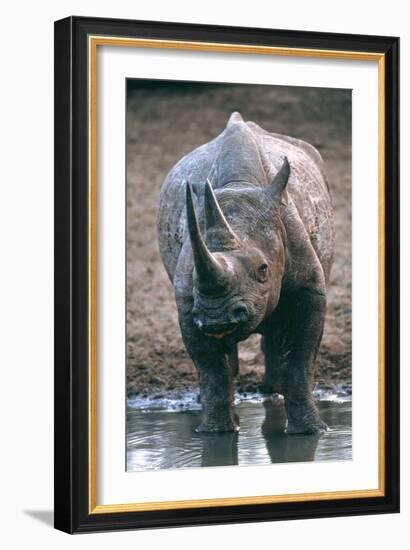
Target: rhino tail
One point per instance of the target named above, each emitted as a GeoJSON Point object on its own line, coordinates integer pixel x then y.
{"type": "Point", "coordinates": [234, 118]}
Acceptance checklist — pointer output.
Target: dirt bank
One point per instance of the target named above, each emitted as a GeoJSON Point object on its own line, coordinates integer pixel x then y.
{"type": "Point", "coordinates": [164, 122]}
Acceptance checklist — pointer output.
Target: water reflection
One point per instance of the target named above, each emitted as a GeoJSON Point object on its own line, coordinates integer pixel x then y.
{"type": "Point", "coordinates": [282, 447]}
{"type": "Point", "coordinates": [165, 440]}
{"type": "Point", "coordinates": [219, 451]}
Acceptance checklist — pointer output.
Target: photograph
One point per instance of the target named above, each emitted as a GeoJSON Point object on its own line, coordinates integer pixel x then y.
{"type": "Point", "coordinates": [239, 274]}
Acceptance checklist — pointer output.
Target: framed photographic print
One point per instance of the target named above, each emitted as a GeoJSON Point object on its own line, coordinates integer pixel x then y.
{"type": "Point", "coordinates": [226, 274]}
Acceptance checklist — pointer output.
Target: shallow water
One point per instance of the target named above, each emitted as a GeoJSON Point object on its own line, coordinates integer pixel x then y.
{"type": "Point", "coordinates": [164, 439]}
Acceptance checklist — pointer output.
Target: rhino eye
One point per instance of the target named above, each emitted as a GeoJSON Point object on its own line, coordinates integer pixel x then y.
{"type": "Point", "coordinates": [262, 272]}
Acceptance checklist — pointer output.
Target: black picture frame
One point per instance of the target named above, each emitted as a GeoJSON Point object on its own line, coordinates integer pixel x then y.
{"type": "Point", "coordinates": [72, 467]}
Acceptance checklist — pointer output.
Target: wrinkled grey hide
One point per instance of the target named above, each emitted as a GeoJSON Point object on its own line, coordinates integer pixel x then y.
{"type": "Point", "coordinates": [245, 228]}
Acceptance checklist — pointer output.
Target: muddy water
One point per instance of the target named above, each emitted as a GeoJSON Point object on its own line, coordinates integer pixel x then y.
{"type": "Point", "coordinates": [166, 438]}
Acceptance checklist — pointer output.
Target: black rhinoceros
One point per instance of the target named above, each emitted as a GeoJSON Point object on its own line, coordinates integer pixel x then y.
{"type": "Point", "coordinates": [246, 234]}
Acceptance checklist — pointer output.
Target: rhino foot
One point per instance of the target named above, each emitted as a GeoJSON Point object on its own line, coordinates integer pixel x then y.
{"type": "Point", "coordinates": [304, 419]}
{"type": "Point", "coordinates": [317, 427]}
{"type": "Point", "coordinates": [269, 388]}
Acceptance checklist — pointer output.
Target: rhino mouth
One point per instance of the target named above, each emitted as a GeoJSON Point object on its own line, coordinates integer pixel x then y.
{"type": "Point", "coordinates": [220, 335]}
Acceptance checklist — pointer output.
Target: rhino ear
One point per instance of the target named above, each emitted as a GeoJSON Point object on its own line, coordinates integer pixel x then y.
{"type": "Point", "coordinates": [276, 190]}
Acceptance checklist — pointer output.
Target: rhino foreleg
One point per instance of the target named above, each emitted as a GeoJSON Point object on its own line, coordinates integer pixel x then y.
{"type": "Point", "coordinates": [305, 318]}
{"type": "Point", "coordinates": [216, 383]}
{"type": "Point", "coordinates": [217, 393]}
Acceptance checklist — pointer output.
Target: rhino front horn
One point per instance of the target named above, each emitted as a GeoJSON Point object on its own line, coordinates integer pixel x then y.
{"type": "Point", "coordinates": [209, 271]}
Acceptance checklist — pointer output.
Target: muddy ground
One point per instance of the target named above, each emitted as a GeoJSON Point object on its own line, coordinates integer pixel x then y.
{"type": "Point", "coordinates": [166, 121]}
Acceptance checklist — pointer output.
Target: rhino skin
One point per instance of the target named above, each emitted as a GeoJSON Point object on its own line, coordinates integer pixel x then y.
{"type": "Point", "coordinates": [246, 235]}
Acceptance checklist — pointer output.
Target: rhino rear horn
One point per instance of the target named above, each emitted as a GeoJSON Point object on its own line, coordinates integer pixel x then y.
{"type": "Point", "coordinates": [279, 182]}
{"type": "Point", "coordinates": [209, 271]}
{"type": "Point", "coordinates": [218, 230]}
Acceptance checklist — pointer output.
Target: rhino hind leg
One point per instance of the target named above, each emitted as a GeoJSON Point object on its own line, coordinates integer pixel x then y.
{"type": "Point", "coordinates": [305, 313]}
{"type": "Point", "coordinates": [271, 379]}
{"type": "Point", "coordinates": [233, 361]}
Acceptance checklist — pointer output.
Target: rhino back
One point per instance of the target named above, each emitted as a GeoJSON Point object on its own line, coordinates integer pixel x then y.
{"type": "Point", "coordinates": [308, 196]}
{"type": "Point", "coordinates": [308, 191]}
